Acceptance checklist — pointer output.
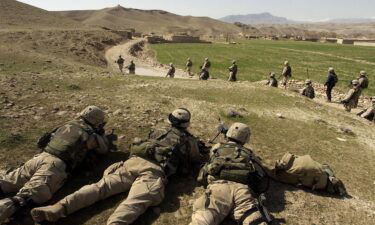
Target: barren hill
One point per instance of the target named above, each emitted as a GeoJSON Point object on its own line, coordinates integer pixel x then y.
{"type": "Point", "coordinates": [14, 14]}
{"type": "Point", "coordinates": [147, 21]}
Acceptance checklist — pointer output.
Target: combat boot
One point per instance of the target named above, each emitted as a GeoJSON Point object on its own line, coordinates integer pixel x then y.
{"type": "Point", "coordinates": [7, 208]}
{"type": "Point", "coordinates": [49, 213]}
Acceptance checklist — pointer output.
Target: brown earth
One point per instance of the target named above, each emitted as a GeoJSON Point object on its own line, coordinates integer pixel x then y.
{"type": "Point", "coordinates": [147, 21]}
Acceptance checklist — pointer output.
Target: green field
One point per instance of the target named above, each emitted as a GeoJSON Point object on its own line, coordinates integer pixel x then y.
{"type": "Point", "coordinates": [259, 57]}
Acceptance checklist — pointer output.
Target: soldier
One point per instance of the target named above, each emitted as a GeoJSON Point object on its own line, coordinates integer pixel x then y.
{"type": "Point", "coordinates": [120, 62]}
{"type": "Point", "coordinates": [304, 171]}
{"type": "Point", "coordinates": [171, 71]}
{"type": "Point", "coordinates": [204, 74]}
{"type": "Point", "coordinates": [272, 82]}
{"type": "Point", "coordinates": [189, 65]}
{"type": "Point", "coordinates": [230, 171]}
{"type": "Point", "coordinates": [287, 73]}
{"type": "Point", "coordinates": [363, 80]}
{"type": "Point", "coordinates": [64, 149]}
{"type": "Point", "coordinates": [206, 64]}
{"type": "Point", "coordinates": [144, 174]}
{"type": "Point", "coordinates": [369, 113]}
{"type": "Point", "coordinates": [131, 67]}
{"type": "Point", "coordinates": [233, 71]}
{"type": "Point", "coordinates": [331, 82]}
{"type": "Point", "coordinates": [308, 91]}
{"type": "Point", "coordinates": [352, 97]}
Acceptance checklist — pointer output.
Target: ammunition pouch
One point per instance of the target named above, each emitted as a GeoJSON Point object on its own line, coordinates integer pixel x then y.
{"type": "Point", "coordinates": [45, 139]}
{"type": "Point", "coordinates": [151, 150]}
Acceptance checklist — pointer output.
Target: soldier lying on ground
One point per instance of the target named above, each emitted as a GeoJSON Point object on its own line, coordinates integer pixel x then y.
{"type": "Point", "coordinates": [369, 113]}
{"type": "Point", "coordinates": [144, 174]}
{"type": "Point", "coordinates": [308, 91]}
{"type": "Point", "coordinates": [304, 171]}
{"type": "Point", "coordinates": [64, 149]}
{"type": "Point", "coordinates": [272, 82]}
{"type": "Point", "coordinates": [232, 174]}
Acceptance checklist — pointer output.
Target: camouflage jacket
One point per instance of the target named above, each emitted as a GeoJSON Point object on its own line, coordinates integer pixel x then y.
{"type": "Point", "coordinates": [73, 141]}
{"type": "Point", "coordinates": [352, 97]}
{"type": "Point", "coordinates": [309, 92]}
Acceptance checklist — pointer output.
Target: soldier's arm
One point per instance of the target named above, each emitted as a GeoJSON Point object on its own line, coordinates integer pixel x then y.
{"type": "Point", "coordinates": [98, 143]}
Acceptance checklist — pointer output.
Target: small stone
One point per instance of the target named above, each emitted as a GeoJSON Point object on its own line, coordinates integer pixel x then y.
{"type": "Point", "coordinates": [233, 113]}
{"type": "Point", "coordinates": [117, 112]}
{"type": "Point", "coordinates": [341, 139]}
{"type": "Point", "coordinates": [37, 117]}
{"type": "Point", "coordinates": [57, 86]}
{"type": "Point", "coordinates": [62, 113]}
{"type": "Point", "coordinates": [279, 115]}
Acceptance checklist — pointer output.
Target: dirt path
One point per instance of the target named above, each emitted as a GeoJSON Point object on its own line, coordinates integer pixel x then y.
{"type": "Point", "coordinates": [143, 67]}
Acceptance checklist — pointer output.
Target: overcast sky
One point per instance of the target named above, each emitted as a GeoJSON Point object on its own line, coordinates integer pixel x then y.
{"type": "Point", "coordinates": [314, 10]}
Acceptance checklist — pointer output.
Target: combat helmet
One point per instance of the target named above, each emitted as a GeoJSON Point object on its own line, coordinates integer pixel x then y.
{"type": "Point", "coordinates": [233, 61]}
{"type": "Point", "coordinates": [331, 69]}
{"type": "Point", "coordinates": [286, 63]}
{"type": "Point", "coordinates": [170, 64]}
{"type": "Point", "coordinates": [272, 75]}
{"type": "Point", "coordinates": [362, 73]}
{"type": "Point", "coordinates": [180, 118]}
{"type": "Point", "coordinates": [93, 115]}
{"type": "Point", "coordinates": [239, 132]}
{"type": "Point", "coordinates": [308, 82]}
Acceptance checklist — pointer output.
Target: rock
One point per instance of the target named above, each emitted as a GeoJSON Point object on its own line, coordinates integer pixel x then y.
{"type": "Point", "coordinates": [347, 131]}
{"type": "Point", "coordinates": [233, 113]}
{"type": "Point", "coordinates": [117, 112]}
{"type": "Point", "coordinates": [341, 139]}
{"type": "Point", "coordinates": [37, 117]}
{"type": "Point", "coordinates": [57, 86]}
{"type": "Point", "coordinates": [279, 115]}
{"type": "Point", "coordinates": [62, 113]}
{"type": "Point", "coordinates": [122, 137]}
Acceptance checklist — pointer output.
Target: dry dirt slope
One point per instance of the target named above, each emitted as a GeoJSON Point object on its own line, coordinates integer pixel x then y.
{"type": "Point", "coordinates": [148, 21]}
{"type": "Point", "coordinates": [17, 15]}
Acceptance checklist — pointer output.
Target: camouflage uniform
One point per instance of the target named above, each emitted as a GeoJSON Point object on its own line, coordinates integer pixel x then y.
{"type": "Point", "coordinates": [272, 82]}
{"type": "Point", "coordinates": [144, 175]}
{"type": "Point", "coordinates": [363, 80]}
{"type": "Point", "coordinates": [352, 97]}
{"type": "Point", "coordinates": [233, 72]}
{"type": "Point", "coordinates": [39, 178]}
{"type": "Point", "coordinates": [228, 174]}
{"type": "Point", "coordinates": [120, 62]}
{"type": "Point", "coordinates": [287, 73]}
{"type": "Point", "coordinates": [304, 171]}
{"type": "Point", "coordinates": [189, 65]}
{"type": "Point", "coordinates": [206, 64]}
{"type": "Point", "coordinates": [369, 113]}
{"type": "Point", "coordinates": [171, 71]}
{"type": "Point", "coordinates": [131, 67]}
{"type": "Point", "coordinates": [308, 91]}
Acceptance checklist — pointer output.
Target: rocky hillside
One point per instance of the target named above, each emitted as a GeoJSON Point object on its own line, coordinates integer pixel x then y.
{"type": "Point", "coordinates": [147, 21]}
{"type": "Point", "coordinates": [14, 14]}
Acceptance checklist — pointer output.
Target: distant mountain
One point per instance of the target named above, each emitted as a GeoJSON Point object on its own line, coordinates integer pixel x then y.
{"type": "Point", "coordinates": [261, 18]}
{"type": "Point", "coordinates": [351, 20]}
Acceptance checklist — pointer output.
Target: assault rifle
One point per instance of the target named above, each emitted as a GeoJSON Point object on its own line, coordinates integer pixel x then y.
{"type": "Point", "coordinates": [221, 129]}
{"type": "Point", "coordinates": [263, 209]}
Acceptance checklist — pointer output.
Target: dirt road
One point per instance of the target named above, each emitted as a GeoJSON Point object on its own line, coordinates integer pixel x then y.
{"type": "Point", "coordinates": [143, 67]}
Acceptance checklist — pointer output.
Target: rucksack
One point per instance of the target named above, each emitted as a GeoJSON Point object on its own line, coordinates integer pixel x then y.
{"type": "Point", "coordinates": [335, 78]}
{"type": "Point", "coordinates": [237, 164]}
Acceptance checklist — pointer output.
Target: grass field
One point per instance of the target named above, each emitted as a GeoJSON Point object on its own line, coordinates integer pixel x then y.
{"type": "Point", "coordinates": [259, 57]}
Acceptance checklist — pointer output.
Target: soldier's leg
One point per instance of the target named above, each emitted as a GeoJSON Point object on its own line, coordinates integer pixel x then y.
{"type": "Point", "coordinates": [112, 183]}
{"type": "Point", "coordinates": [245, 206]}
{"type": "Point", "coordinates": [146, 191]}
{"type": "Point", "coordinates": [47, 176]}
{"type": "Point", "coordinates": [214, 206]}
